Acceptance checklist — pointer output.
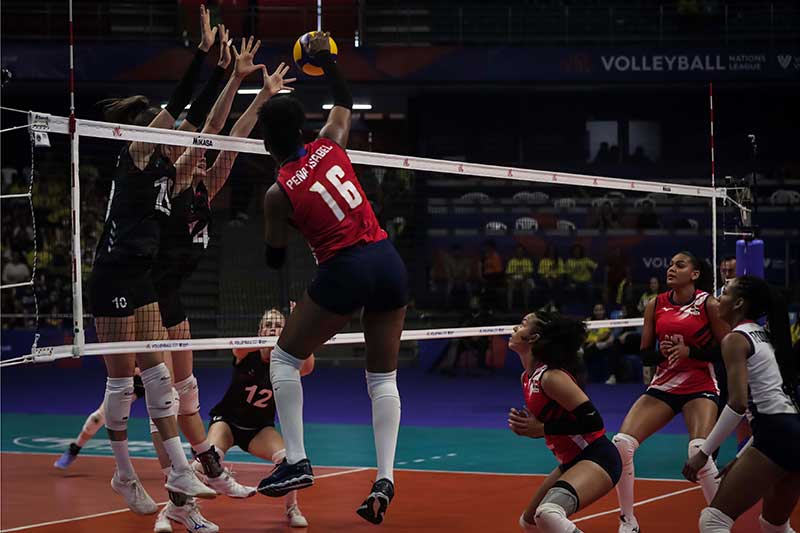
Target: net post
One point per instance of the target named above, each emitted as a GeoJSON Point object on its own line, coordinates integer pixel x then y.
{"type": "Point", "coordinates": [79, 337]}
{"type": "Point", "coordinates": [713, 186]}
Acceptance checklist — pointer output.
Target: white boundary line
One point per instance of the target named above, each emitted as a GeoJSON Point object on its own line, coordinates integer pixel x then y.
{"type": "Point", "coordinates": [637, 504]}
{"type": "Point", "coordinates": [339, 467]}
{"type": "Point", "coordinates": [117, 511]}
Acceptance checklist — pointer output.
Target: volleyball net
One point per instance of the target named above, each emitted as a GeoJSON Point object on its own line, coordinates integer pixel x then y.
{"type": "Point", "coordinates": [483, 243]}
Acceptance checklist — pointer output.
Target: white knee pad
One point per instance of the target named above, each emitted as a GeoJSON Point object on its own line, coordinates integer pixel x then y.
{"type": "Point", "coordinates": [153, 428]}
{"type": "Point", "coordinates": [96, 420]}
{"type": "Point", "coordinates": [766, 527]}
{"type": "Point", "coordinates": [159, 394]}
{"type": "Point", "coordinates": [189, 396]}
{"type": "Point", "coordinates": [694, 447]}
{"type": "Point", "coordinates": [552, 518]}
{"type": "Point", "coordinates": [626, 445]}
{"type": "Point", "coordinates": [117, 403]}
{"type": "Point", "coordinates": [714, 521]}
{"type": "Point", "coordinates": [382, 384]}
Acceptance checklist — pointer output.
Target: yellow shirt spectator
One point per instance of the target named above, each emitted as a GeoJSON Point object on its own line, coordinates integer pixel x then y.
{"type": "Point", "coordinates": [580, 270]}
{"type": "Point", "coordinates": [551, 268]}
{"type": "Point", "coordinates": [519, 267]}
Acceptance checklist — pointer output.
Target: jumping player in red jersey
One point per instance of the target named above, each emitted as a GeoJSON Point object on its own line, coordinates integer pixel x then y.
{"type": "Point", "coordinates": [686, 325]}
{"type": "Point", "coordinates": [558, 410]}
{"type": "Point", "coordinates": [358, 268]}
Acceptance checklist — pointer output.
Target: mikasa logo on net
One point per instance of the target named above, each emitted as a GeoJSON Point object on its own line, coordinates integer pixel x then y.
{"type": "Point", "coordinates": [199, 141]}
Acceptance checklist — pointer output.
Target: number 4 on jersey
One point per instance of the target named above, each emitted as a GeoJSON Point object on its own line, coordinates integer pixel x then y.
{"type": "Point", "coordinates": [347, 190]}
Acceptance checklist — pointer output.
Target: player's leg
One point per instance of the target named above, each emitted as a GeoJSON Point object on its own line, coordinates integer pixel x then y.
{"type": "Point", "coordinates": [268, 445]}
{"type": "Point", "coordinates": [779, 502]}
{"type": "Point", "coordinates": [221, 436]}
{"type": "Point", "coordinates": [747, 481]}
{"type": "Point", "coordinates": [306, 329]}
{"type": "Point", "coordinates": [528, 518]}
{"type": "Point", "coordinates": [382, 331]}
{"type": "Point", "coordinates": [647, 415]}
{"type": "Point", "coordinates": [91, 426]}
{"type": "Point", "coordinates": [700, 415]}
{"type": "Point", "coordinates": [162, 404]}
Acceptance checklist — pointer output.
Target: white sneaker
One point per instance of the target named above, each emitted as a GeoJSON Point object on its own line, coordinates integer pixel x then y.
{"type": "Point", "coordinates": [189, 515]}
{"type": "Point", "coordinates": [225, 484]}
{"type": "Point", "coordinates": [135, 496]}
{"type": "Point", "coordinates": [296, 518]}
{"type": "Point", "coordinates": [163, 525]}
{"type": "Point", "coordinates": [628, 524]}
{"type": "Point", "coordinates": [186, 482]}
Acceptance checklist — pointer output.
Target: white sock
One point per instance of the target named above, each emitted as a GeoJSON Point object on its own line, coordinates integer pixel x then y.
{"type": "Point", "coordinates": [714, 521]}
{"type": "Point", "coordinates": [202, 447]}
{"type": "Point", "coordinates": [291, 499]}
{"type": "Point", "coordinates": [284, 372]}
{"type": "Point", "coordinates": [766, 527]}
{"type": "Point", "coordinates": [174, 450]}
{"type": "Point", "coordinates": [123, 459]}
{"type": "Point", "coordinates": [706, 476]}
{"type": "Point", "coordinates": [626, 445]}
{"type": "Point", "coordinates": [93, 423]}
{"type": "Point", "coordinates": [385, 398]}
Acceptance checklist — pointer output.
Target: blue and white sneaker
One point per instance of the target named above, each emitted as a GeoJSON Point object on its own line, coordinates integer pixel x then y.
{"type": "Point", "coordinates": [69, 456]}
{"type": "Point", "coordinates": [189, 515]}
{"type": "Point", "coordinates": [286, 477]}
{"type": "Point", "coordinates": [374, 507]}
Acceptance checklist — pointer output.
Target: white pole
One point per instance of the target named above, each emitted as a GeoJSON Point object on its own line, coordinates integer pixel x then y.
{"type": "Point", "coordinates": [713, 186]}
{"type": "Point", "coordinates": [319, 15]}
{"type": "Point", "coordinates": [79, 339]}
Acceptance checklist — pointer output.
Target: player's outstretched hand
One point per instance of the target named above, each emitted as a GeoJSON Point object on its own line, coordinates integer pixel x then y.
{"type": "Point", "coordinates": [207, 33]}
{"type": "Point", "coordinates": [224, 47]}
{"type": "Point", "coordinates": [274, 83]}
{"type": "Point", "coordinates": [244, 58]}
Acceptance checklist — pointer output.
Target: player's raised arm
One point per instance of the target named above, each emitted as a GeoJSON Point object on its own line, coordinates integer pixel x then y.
{"type": "Point", "coordinates": [337, 128]}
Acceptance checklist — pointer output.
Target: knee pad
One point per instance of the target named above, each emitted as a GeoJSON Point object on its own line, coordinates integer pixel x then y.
{"type": "Point", "coordinates": [279, 456]}
{"type": "Point", "coordinates": [382, 384]}
{"type": "Point", "coordinates": [551, 518]}
{"type": "Point", "coordinates": [159, 394]}
{"type": "Point", "coordinates": [564, 496]}
{"type": "Point", "coordinates": [188, 396]}
{"type": "Point", "coordinates": [96, 420]}
{"type": "Point", "coordinates": [153, 428]}
{"type": "Point", "coordinates": [694, 447]}
{"type": "Point", "coordinates": [281, 356]}
{"type": "Point", "coordinates": [626, 445]}
{"type": "Point", "coordinates": [767, 527]}
{"type": "Point", "coordinates": [117, 403]}
{"type": "Point", "coordinates": [714, 521]}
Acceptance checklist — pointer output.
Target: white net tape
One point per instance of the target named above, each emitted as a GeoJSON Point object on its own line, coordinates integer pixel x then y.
{"type": "Point", "coordinates": [113, 132]}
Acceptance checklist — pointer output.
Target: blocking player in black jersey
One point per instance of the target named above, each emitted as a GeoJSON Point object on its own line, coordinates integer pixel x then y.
{"type": "Point", "coordinates": [121, 292]}
{"type": "Point", "coordinates": [245, 417]}
{"type": "Point", "coordinates": [184, 239]}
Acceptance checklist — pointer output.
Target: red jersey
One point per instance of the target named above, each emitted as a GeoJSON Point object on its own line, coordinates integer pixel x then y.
{"type": "Point", "coordinates": [688, 324]}
{"type": "Point", "coordinates": [330, 207]}
{"type": "Point", "coordinates": [564, 447]}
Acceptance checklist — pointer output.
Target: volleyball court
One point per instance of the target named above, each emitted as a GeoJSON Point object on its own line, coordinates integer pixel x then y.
{"type": "Point", "coordinates": [459, 469]}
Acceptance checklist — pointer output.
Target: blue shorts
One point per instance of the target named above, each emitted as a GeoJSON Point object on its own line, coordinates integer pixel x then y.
{"type": "Point", "coordinates": [677, 401]}
{"type": "Point", "coordinates": [372, 276]}
{"type": "Point", "coordinates": [603, 453]}
{"type": "Point", "coordinates": [776, 436]}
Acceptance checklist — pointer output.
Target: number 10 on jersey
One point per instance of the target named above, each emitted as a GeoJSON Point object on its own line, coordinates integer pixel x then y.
{"type": "Point", "coordinates": [346, 189]}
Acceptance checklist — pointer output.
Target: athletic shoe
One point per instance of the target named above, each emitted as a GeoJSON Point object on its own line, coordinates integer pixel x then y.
{"type": "Point", "coordinates": [163, 525]}
{"type": "Point", "coordinates": [286, 477]}
{"type": "Point", "coordinates": [296, 518]}
{"type": "Point", "coordinates": [225, 484]}
{"type": "Point", "coordinates": [628, 525]}
{"type": "Point", "coordinates": [374, 507]}
{"type": "Point", "coordinates": [186, 482]}
{"type": "Point", "coordinates": [189, 515]}
{"type": "Point", "coordinates": [68, 457]}
{"type": "Point", "coordinates": [135, 496]}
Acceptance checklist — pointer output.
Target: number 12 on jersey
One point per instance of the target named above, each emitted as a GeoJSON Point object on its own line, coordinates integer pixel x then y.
{"type": "Point", "coordinates": [346, 189]}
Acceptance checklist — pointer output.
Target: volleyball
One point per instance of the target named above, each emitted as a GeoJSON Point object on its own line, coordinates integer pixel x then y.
{"type": "Point", "coordinates": [305, 62]}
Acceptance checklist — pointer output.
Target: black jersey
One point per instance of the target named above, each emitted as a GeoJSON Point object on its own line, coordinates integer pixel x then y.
{"type": "Point", "coordinates": [248, 402]}
{"type": "Point", "coordinates": [138, 206]}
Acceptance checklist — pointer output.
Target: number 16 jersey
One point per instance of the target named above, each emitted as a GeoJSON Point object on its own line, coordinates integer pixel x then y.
{"type": "Point", "coordinates": [248, 402]}
{"type": "Point", "coordinates": [329, 206]}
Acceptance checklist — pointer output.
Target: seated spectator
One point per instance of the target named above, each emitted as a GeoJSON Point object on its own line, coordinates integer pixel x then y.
{"type": "Point", "coordinates": [468, 353]}
{"type": "Point", "coordinates": [598, 349]}
{"type": "Point", "coordinates": [492, 273]}
{"type": "Point", "coordinates": [653, 288]}
{"type": "Point", "coordinates": [551, 272]}
{"type": "Point", "coordinates": [607, 218]}
{"type": "Point", "coordinates": [579, 271]}
{"type": "Point", "coordinates": [795, 331]}
{"type": "Point", "coordinates": [466, 271]}
{"type": "Point", "coordinates": [16, 270]}
{"type": "Point", "coordinates": [626, 342]}
{"type": "Point", "coordinates": [648, 219]}
{"type": "Point", "coordinates": [441, 275]}
{"type": "Point", "coordinates": [519, 276]}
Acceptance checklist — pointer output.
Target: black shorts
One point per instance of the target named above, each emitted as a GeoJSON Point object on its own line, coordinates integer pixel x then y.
{"type": "Point", "coordinates": [241, 436]}
{"type": "Point", "coordinates": [603, 453]}
{"type": "Point", "coordinates": [776, 436]}
{"type": "Point", "coordinates": [372, 276]}
{"type": "Point", "coordinates": [138, 386]}
{"type": "Point", "coordinates": [169, 300]}
{"type": "Point", "coordinates": [677, 401]}
{"type": "Point", "coordinates": [116, 291]}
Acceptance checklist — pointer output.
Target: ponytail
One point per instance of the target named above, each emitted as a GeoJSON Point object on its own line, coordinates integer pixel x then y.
{"type": "Point", "coordinates": [762, 299]}
{"type": "Point", "coordinates": [134, 110]}
{"type": "Point", "coordinates": [705, 281]}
